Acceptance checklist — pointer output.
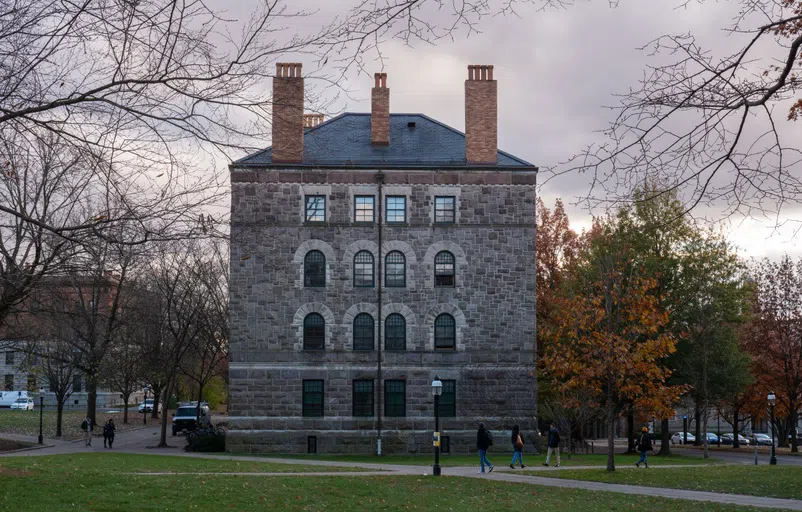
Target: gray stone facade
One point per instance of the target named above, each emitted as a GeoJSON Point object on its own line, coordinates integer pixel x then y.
{"type": "Point", "coordinates": [492, 303]}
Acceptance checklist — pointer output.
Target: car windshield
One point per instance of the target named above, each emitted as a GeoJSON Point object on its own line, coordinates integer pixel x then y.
{"type": "Point", "coordinates": [186, 411]}
{"type": "Point", "coordinates": [149, 401]}
{"type": "Point", "coordinates": [22, 400]}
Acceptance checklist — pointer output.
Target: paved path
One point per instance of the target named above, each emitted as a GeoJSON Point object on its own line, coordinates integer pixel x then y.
{"type": "Point", "coordinates": [141, 441]}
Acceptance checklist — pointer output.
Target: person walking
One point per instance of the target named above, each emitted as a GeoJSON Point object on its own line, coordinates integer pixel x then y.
{"type": "Point", "coordinates": [108, 433]}
{"type": "Point", "coordinates": [517, 447]}
{"type": "Point", "coordinates": [554, 445]}
{"type": "Point", "coordinates": [644, 444]}
{"type": "Point", "coordinates": [484, 440]}
{"type": "Point", "coordinates": [87, 427]}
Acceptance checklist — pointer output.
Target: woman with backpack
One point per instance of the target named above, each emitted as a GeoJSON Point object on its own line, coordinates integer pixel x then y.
{"type": "Point", "coordinates": [644, 444]}
{"type": "Point", "coordinates": [483, 441]}
{"type": "Point", "coordinates": [517, 446]}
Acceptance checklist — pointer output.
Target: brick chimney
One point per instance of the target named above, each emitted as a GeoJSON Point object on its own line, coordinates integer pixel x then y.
{"type": "Point", "coordinates": [288, 114]}
{"type": "Point", "coordinates": [380, 111]}
{"type": "Point", "coordinates": [481, 116]}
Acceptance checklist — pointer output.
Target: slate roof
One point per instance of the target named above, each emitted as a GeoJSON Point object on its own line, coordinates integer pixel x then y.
{"type": "Point", "coordinates": [344, 142]}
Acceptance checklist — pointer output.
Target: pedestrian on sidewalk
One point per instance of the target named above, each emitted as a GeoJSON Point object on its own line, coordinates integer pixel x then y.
{"type": "Point", "coordinates": [87, 427]}
{"type": "Point", "coordinates": [554, 445]}
{"type": "Point", "coordinates": [517, 447]}
{"type": "Point", "coordinates": [644, 444]}
{"type": "Point", "coordinates": [484, 440]}
{"type": "Point", "coordinates": [108, 433]}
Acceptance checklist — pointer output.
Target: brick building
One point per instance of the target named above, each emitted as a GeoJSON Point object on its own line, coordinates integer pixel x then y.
{"type": "Point", "coordinates": [369, 254]}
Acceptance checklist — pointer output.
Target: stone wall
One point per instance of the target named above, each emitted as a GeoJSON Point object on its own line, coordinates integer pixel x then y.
{"type": "Point", "coordinates": [492, 303]}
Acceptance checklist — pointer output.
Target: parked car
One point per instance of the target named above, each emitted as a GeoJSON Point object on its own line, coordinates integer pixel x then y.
{"type": "Point", "coordinates": [23, 404]}
{"type": "Point", "coordinates": [186, 416]}
{"type": "Point", "coordinates": [711, 438]}
{"type": "Point", "coordinates": [727, 439]}
{"type": "Point", "coordinates": [762, 439]}
{"type": "Point", "coordinates": [679, 438]}
{"type": "Point", "coordinates": [147, 406]}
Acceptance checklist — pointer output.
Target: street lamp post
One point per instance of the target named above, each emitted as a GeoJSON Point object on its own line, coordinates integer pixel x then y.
{"type": "Point", "coordinates": [685, 429]}
{"type": "Point", "coordinates": [437, 389]}
{"type": "Point", "coordinates": [772, 399]}
{"type": "Point", "coordinates": [41, 411]}
{"type": "Point", "coordinates": [145, 407]}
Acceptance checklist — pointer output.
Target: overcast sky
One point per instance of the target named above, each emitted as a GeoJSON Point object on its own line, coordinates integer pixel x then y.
{"type": "Point", "coordinates": [556, 72]}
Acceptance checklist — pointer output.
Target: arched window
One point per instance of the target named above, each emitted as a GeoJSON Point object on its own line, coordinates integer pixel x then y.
{"type": "Point", "coordinates": [395, 332]}
{"type": "Point", "coordinates": [363, 270]}
{"type": "Point", "coordinates": [445, 331]}
{"type": "Point", "coordinates": [444, 269]}
{"type": "Point", "coordinates": [395, 270]}
{"type": "Point", "coordinates": [314, 332]}
{"type": "Point", "coordinates": [363, 332]}
{"type": "Point", "coordinates": [314, 269]}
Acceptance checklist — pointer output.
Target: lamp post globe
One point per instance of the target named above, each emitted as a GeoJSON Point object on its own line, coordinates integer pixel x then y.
{"type": "Point", "coordinates": [41, 411]}
{"type": "Point", "coordinates": [437, 390]}
{"type": "Point", "coordinates": [772, 400]}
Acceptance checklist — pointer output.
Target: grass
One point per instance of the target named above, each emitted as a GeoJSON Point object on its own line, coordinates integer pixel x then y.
{"type": "Point", "coordinates": [770, 481]}
{"type": "Point", "coordinates": [101, 482]}
{"type": "Point", "coordinates": [501, 459]}
{"type": "Point", "coordinates": [27, 422]}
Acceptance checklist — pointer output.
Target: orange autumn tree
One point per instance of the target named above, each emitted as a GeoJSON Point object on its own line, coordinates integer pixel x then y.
{"type": "Point", "coordinates": [607, 338]}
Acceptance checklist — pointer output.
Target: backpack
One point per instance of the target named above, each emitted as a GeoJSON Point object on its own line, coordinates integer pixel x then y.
{"type": "Point", "coordinates": [84, 425]}
{"type": "Point", "coordinates": [519, 442]}
{"type": "Point", "coordinates": [489, 438]}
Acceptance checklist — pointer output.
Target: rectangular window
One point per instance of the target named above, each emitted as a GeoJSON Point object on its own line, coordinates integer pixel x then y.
{"type": "Point", "coordinates": [76, 384]}
{"type": "Point", "coordinates": [32, 387]}
{"type": "Point", "coordinates": [9, 358]}
{"type": "Point", "coordinates": [363, 398]}
{"type": "Point", "coordinates": [395, 398]}
{"type": "Point", "coordinates": [448, 399]}
{"type": "Point", "coordinates": [313, 398]}
{"type": "Point", "coordinates": [444, 207]}
{"type": "Point", "coordinates": [363, 209]}
{"type": "Point", "coordinates": [315, 209]}
{"type": "Point", "coordinates": [9, 383]}
{"type": "Point", "coordinates": [396, 209]}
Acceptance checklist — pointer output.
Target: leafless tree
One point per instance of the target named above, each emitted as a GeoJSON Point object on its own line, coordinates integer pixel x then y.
{"type": "Point", "coordinates": [123, 368]}
{"type": "Point", "coordinates": [52, 359]}
{"type": "Point", "coordinates": [715, 126]}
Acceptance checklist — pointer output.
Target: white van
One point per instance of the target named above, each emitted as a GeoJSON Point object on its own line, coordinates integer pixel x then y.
{"type": "Point", "coordinates": [9, 397]}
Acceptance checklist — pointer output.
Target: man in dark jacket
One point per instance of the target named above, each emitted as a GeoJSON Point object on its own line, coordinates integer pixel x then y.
{"type": "Point", "coordinates": [644, 444]}
{"type": "Point", "coordinates": [483, 442]}
{"type": "Point", "coordinates": [554, 445]}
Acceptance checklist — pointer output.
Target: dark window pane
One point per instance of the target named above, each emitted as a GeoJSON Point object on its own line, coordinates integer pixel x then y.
{"type": "Point", "coordinates": [363, 209]}
{"type": "Point", "coordinates": [315, 209]}
{"type": "Point", "coordinates": [313, 398]}
{"type": "Point", "coordinates": [363, 332]}
{"type": "Point", "coordinates": [445, 335]}
{"type": "Point", "coordinates": [448, 399]}
{"type": "Point", "coordinates": [9, 358]}
{"type": "Point", "coordinates": [396, 209]}
{"type": "Point", "coordinates": [315, 269]}
{"type": "Point", "coordinates": [76, 384]}
{"type": "Point", "coordinates": [363, 269]}
{"type": "Point", "coordinates": [444, 269]}
{"type": "Point", "coordinates": [314, 332]}
{"type": "Point", "coordinates": [395, 332]}
{"type": "Point", "coordinates": [363, 398]}
{"type": "Point", "coordinates": [395, 398]}
{"type": "Point", "coordinates": [395, 271]}
{"type": "Point", "coordinates": [8, 383]}
{"type": "Point", "coordinates": [444, 209]}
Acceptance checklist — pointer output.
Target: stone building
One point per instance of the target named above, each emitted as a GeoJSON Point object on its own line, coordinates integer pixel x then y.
{"type": "Point", "coordinates": [369, 254]}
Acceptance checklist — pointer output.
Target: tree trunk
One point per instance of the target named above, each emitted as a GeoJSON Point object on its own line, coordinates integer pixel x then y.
{"type": "Point", "coordinates": [735, 430]}
{"type": "Point", "coordinates": [697, 432]}
{"type": "Point", "coordinates": [665, 438]}
{"type": "Point", "coordinates": [198, 408]}
{"type": "Point", "coordinates": [631, 432]}
{"type": "Point", "coordinates": [163, 436]}
{"type": "Point", "coordinates": [794, 419]}
{"type": "Point", "coordinates": [610, 439]}
{"type": "Point", "coordinates": [125, 407]}
{"type": "Point", "coordinates": [156, 397]}
{"type": "Point", "coordinates": [705, 434]}
{"type": "Point", "coordinates": [59, 415]}
{"type": "Point", "coordinates": [91, 396]}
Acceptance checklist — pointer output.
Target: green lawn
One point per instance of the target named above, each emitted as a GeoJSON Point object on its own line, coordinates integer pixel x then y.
{"type": "Point", "coordinates": [27, 422]}
{"type": "Point", "coordinates": [500, 459]}
{"type": "Point", "coordinates": [771, 481]}
{"type": "Point", "coordinates": [101, 482]}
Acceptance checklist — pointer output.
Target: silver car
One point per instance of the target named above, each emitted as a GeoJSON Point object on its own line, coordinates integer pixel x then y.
{"type": "Point", "coordinates": [679, 438]}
